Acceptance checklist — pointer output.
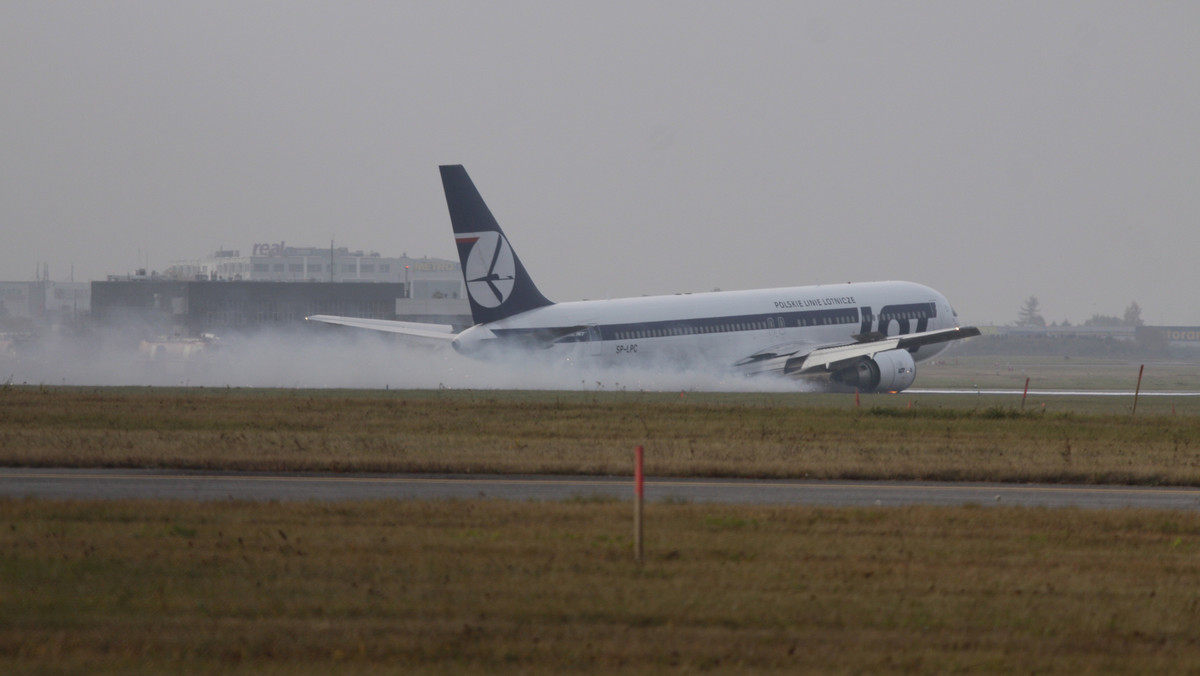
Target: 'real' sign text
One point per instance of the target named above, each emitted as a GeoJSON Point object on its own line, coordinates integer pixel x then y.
{"type": "Point", "coordinates": [268, 249]}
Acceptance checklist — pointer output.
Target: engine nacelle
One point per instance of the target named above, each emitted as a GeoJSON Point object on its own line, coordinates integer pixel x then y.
{"type": "Point", "coordinates": [473, 340]}
{"type": "Point", "coordinates": [889, 371]}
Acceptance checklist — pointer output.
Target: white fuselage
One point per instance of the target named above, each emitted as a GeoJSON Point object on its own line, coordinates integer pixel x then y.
{"type": "Point", "coordinates": [866, 336]}
{"type": "Point", "coordinates": [719, 327]}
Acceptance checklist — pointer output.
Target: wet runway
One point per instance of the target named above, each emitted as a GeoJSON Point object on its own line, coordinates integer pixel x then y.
{"type": "Point", "coordinates": [112, 484]}
{"type": "Point", "coordinates": [1053, 393]}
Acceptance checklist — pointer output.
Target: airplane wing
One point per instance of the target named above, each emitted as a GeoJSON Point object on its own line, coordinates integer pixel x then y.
{"type": "Point", "coordinates": [798, 359]}
{"type": "Point", "coordinates": [436, 332]}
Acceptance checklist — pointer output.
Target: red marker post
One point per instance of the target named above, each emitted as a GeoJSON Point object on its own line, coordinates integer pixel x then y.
{"type": "Point", "coordinates": [1138, 391]}
{"type": "Point", "coordinates": [637, 505]}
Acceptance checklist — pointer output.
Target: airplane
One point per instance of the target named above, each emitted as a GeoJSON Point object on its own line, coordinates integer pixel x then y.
{"type": "Point", "coordinates": [859, 336]}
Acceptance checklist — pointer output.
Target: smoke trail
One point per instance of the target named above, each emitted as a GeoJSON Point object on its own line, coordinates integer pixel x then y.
{"type": "Point", "coordinates": [337, 358]}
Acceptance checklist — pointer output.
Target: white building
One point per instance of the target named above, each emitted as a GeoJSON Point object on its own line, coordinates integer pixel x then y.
{"type": "Point", "coordinates": [427, 277]}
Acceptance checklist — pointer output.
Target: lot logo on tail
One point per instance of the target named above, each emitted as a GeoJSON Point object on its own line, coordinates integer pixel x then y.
{"type": "Point", "coordinates": [490, 270]}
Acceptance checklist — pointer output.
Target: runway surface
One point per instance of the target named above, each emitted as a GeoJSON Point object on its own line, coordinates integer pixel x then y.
{"type": "Point", "coordinates": [112, 484]}
{"type": "Point", "coordinates": [1054, 393]}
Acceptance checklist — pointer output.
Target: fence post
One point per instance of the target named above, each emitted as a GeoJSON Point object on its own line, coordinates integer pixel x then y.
{"type": "Point", "coordinates": [637, 505]}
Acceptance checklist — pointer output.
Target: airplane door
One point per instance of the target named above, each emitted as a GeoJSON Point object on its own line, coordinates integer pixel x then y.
{"type": "Point", "coordinates": [594, 346]}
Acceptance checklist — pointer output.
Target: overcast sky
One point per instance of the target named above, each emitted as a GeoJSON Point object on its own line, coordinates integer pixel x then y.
{"type": "Point", "coordinates": [991, 150]}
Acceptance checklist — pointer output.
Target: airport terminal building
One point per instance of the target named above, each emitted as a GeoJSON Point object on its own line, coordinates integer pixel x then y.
{"type": "Point", "coordinates": [281, 285]}
{"type": "Point", "coordinates": [160, 306]}
{"type": "Point", "coordinates": [45, 301]}
{"type": "Point", "coordinates": [425, 277]}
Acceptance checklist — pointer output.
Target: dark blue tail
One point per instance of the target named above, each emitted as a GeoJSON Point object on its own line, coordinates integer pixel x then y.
{"type": "Point", "coordinates": [497, 284]}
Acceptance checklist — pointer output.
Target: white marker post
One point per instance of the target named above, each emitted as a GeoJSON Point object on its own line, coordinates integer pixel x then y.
{"type": "Point", "coordinates": [637, 505]}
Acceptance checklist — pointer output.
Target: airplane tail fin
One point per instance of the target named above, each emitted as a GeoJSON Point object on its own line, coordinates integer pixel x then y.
{"type": "Point", "coordinates": [497, 284]}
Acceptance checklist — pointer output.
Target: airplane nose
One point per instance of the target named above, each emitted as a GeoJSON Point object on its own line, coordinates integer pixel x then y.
{"type": "Point", "coordinates": [948, 317]}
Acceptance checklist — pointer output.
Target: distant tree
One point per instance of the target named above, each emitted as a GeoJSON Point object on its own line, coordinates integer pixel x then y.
{"type": "Point", "coordinates": [1133, 315]}
{"type": "Point", "coordinates": [1029, 315]}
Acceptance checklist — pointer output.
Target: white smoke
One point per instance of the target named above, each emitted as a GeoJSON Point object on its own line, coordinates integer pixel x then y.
{"type": "Point", "coordinates": [340, 358]}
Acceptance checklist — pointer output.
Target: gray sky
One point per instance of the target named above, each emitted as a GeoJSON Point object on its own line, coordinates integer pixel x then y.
{"type": "Point", "coordinates": [991, 150]}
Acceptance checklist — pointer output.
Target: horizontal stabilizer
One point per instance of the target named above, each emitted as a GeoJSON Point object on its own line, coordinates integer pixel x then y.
{"type": "Point", "coordinates": [439, 332]}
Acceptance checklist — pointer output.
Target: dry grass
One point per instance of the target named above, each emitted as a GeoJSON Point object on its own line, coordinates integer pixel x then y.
{"type": "Point", "coordinates": [689, 434]}
{"type": "Point", "coordinates": [485, 587]}
{"type": "Point", "coordinates": [482, 587]}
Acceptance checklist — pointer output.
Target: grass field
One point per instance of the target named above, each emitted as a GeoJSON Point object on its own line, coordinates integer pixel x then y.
{"type": "Point", "coordinates": [1063, 373]}
{"type": "Point", "coordinates": [941, 437]}
{"type": "Point", "coordinates": [483, 587]}
{"type": "Point", "coordinates": [488, 587]}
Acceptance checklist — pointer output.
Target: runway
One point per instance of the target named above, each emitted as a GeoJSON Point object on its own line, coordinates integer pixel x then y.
{"type": "Point", "coordinates": [114, 484]}
{"type": "Point", "coordinates": [1055, 393]}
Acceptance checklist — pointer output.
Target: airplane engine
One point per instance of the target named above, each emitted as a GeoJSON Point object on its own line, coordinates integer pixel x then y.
{"type": "Point", "coordinates": [473, 340]}
{"type": "Point", "coordinates": [889, 371]}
